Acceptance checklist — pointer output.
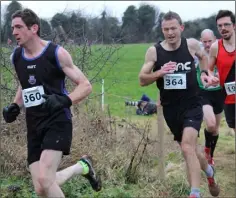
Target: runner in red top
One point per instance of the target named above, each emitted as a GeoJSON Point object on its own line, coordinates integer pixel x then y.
{"type": "Point", "coordinates": [222, 53]}
{"type": "Point", "coordinates": [225, 62]}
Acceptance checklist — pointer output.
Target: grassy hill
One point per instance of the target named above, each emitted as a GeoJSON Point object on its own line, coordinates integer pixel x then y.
{"type": "Point", "coordinates": [122, 83]}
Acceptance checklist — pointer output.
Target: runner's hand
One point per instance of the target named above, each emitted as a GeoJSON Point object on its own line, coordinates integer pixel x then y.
{"type": "Point", "coordinates": [11, 112]}
{"type": "Point", "coordinates": [214, 80]}
{"type": "Point", "coordinates": [56, 102]}
{"type": "Point", "coordinates": [204, 79]}
{"type": "Point", "coordinates": [167, 68]}
{"type": "Point", "coordinates": [210, 81]}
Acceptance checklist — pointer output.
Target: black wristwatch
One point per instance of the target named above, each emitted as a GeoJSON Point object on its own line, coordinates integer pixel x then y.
{"type": "Point", "coordinates": [204, 71]}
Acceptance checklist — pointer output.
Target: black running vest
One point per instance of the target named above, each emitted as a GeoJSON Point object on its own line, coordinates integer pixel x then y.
{"type": "Point", "coordinates": [42, 70]}
{"type": "Point", "coordinates": [185, 64]}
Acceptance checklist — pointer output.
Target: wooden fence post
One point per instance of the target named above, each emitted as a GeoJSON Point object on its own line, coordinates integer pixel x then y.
{"type": "Point", "coordinates": [160, 128]}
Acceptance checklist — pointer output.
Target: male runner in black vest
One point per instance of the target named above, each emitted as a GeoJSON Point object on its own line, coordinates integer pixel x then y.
{"type": "Point", "coordinates": [41, 68]}
{"type": "Point", "coordinates": [174, 71]}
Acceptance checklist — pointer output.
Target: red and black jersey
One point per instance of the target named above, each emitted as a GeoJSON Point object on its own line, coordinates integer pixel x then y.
{"type": "Point", "coordinates": [225, 62]}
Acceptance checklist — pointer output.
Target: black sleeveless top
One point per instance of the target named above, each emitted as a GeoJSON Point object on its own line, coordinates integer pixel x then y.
{"type": "Point", "coordinates": [185, 65]}
{"type": "Point", "coordinates": [42, 70]}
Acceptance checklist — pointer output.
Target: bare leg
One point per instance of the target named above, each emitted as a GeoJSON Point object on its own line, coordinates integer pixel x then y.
{"type": "Point", "coordinates": [67, 173]}
{"type": "Point", "coordinates": [218, 120]}
{"type": "Point", "coordinates": [188, 146]}
{"type": "Point", "coordinates": [61, 176]}
{"type": "Point", "coordinates": [201, 157]}
{"type": "Point", "coordinates": [209, 118]}
{"type": "Point", "coordinates": [48, 164]}
{"type": "Point", "coordinates": [34, 170]}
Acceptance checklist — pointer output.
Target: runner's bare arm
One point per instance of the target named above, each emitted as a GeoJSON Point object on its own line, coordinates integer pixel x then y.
{"type": "Point", "coordinates": [18, 97]}
{"type": "Point", "coordinates": [83, 88]}
{"type": "Point", "coordinates": [146, 76]}
{"type": "Point", "coordinates": [199, 52]}
{"type": "Point", "coordinates": [158, 99]}
{"type": "Point", "coordinates": [212, 57]}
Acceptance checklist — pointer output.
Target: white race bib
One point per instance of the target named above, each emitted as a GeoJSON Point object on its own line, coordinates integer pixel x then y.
{"type": "Point", "coordinates": [175, 81]}
{"type": "Point", "coordinates": [33, 96]}
{"type": "Point", "coordinates": [230, 88]}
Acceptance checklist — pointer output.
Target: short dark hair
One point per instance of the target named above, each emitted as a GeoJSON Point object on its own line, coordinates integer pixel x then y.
{"type": "Point", "coordinates": [29, 17]}
{"type": "Point", "coordinates": [172, 15]}
{"type": "Point", "coordinates": [226, 13]}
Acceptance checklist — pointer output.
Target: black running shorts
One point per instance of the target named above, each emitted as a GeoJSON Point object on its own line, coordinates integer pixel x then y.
{"type": "Point", "coordinates": [52, 132]}
{"type": "Point", "coordinates": [179, 117]}
{"type": "Point", "coordinates": [229, 110]}
{"type": "Point", "coordinates": [214, 99]}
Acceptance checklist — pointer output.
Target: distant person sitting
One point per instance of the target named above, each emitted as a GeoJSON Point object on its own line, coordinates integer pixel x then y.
{"type": "Point", "coordinates": [145, 98]}
{"type": "Point", "coordinates": [144, 106]}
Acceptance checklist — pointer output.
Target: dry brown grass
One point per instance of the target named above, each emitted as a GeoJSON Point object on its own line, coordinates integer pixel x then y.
{"type": "Point", "coordinates": [123, 151]}
{"type": "Point", "coordinates": [14, 147]}
{"type": "Point", "coordinates": [94, 134]}
{"type": "Point", "coordinates": [113, 143]}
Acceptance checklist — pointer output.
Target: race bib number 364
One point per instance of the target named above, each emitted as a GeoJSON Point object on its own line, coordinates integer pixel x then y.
{"type": "Point", "coordinates": [230, 88]}
{"type": "Point", "coordinates": [175, 81]}
{"type": "Point", "coordinates": [33, 96]}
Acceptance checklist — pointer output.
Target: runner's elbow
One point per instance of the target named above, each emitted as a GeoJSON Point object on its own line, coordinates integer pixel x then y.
{"type": "Point", "coordinates": [142, 81]}
{"type": "Point", "coordinates": [88, 87]}
{"type": "Point", "coordinates": [142, 84]}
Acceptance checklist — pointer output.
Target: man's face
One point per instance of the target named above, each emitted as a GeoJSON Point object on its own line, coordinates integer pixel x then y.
{"type": "Point", "coordinates": [225, 27]}
{"type": "Point", "coordinates": [172, 30]}
{"type": "Point", "coordinates": [21, 32]}
{"type": "Point", "coordinates": [207, 39]}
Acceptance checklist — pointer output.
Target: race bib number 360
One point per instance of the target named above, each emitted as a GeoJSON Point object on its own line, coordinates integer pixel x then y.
{"type": "Point", "coordinates": [33, 96]}
{"type": "Point", "coordinates": [230, 88]}
{"type": "Point", "coordinates": [175, 81]}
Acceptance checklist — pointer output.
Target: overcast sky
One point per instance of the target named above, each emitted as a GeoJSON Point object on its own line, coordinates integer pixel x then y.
{"type": "Point", "coordinates": [188, 10]}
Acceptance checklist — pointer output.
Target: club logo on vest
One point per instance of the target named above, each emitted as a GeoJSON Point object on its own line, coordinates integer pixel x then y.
{"type": "Point", "coordinates": [31, 79]}
{"type": "Point", "coordinates": [183, 66]}
{"type": "Point", "coordinates": [31, 67]}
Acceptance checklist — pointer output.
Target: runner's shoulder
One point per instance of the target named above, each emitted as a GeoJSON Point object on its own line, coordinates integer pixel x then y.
{"type": "Point", "coordinates": [151, 54]}
{"type": "Point", "coordinates": [214, 45]}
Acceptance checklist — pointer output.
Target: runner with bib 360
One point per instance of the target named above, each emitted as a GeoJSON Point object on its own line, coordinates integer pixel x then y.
{"type": "Point", "coordinates": [33, 96]}
{"type": "Point", "coordinates": [170, 64]}
{"type": "Point", "coordinates": [41, 67]}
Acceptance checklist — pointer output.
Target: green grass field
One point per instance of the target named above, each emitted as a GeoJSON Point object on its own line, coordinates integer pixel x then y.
{"type": "Point", "coordinates": [125, 74]}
